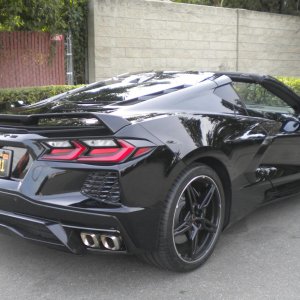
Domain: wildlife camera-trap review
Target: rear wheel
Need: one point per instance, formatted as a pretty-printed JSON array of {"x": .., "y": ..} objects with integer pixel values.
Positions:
[{"x": 192, "y": 220}]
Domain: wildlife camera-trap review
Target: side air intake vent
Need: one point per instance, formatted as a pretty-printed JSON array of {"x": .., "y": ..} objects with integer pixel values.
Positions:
[{"x": 102, "y": 186}]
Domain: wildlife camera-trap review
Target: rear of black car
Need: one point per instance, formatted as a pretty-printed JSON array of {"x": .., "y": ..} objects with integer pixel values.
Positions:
[
  {"x": 82, "y": 181},
  {"x": 93, "y": 169}
]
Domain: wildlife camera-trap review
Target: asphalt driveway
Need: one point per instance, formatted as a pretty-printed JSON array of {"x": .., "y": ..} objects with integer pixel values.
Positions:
[{"x": 257, "y": 258}]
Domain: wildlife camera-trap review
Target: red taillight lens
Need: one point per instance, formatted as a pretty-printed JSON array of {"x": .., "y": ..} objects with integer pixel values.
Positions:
[
  {"x": 109, "y": 151},
  {"x": 142, "y": 151},
  {"x": 109, "y": 154},
  {"x": 65, "y": 153}
]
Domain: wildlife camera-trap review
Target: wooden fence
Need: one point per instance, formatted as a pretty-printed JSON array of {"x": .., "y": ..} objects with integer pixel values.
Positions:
[{"x": 28, "y": 59}]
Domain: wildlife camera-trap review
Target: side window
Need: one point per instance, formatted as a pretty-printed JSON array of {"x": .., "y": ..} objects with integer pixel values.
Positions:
[
  {"x": 259, "y": 99},
  {"x": 230, "y": 99}
]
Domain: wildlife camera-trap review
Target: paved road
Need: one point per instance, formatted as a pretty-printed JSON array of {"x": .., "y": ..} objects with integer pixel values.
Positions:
[{"x": 257, "y": 258}]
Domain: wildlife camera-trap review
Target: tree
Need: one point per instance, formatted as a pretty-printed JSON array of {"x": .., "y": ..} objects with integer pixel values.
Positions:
[
  {"x": 55, "y": 16},
  {"x": 34, "y": 15},
  {"x": 291, "y": 7}
]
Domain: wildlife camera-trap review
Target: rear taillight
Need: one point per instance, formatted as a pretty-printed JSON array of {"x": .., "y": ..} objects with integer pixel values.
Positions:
[
  {"x": 115, "y": 154},
  {"x": 106, "y": 150},
  {"x": 67, "y": 153}
]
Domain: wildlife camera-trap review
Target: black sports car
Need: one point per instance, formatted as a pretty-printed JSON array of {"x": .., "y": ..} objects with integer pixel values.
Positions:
[{"x": 156, "y": 163}]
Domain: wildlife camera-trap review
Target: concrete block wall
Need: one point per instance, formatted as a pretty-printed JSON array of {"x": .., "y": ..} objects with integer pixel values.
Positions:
[
  {"x": 269, "y": 43},
  {"x": 134, "y": 35}
]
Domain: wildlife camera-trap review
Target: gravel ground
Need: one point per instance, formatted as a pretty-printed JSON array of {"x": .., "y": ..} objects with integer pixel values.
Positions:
[{"x": 257, "y": 258}]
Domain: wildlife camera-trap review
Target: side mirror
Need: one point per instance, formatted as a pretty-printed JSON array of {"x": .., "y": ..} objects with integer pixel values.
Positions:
[{"x": 290, "y": 126}]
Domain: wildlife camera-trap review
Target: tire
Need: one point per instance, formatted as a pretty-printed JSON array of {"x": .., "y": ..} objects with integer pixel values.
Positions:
[{"x": 191, "y": 222}]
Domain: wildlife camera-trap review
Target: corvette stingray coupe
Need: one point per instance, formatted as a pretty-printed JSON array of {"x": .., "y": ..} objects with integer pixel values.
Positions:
[{"x": 156, "y": 164}]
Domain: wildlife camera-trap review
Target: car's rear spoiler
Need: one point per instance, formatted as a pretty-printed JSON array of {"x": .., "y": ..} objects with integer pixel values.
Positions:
[{"x": 113, "y": 123}]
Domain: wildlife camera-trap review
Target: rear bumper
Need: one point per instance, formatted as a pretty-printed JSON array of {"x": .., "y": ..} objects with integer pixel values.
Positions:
[
  {"x": 39, "y": 230},
  {"x": 61, "y": 227},
  {"x": 52, "y": 233},
  {"x": 55, "y": 201}
]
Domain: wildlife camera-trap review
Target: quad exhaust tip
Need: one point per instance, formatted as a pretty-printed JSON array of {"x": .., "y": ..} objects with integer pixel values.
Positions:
[
  {"x": 111, "y": 242},
  {"x": 90, "y": 239},
  {"x": 98, "y": 241}
]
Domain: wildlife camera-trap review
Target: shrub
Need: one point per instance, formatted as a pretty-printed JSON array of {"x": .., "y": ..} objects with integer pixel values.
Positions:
[
  {"x": 32, "y": 94},
  {"x": 292, "y": 82}
]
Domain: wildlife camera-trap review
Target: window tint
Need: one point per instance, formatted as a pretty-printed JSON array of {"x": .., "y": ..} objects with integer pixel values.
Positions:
[
  {"x": 259, "y": 99},
  {"x": 228, "y": 94}
]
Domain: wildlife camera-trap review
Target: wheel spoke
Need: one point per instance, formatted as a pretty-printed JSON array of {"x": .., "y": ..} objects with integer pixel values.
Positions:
[
  {"x": 194, "y": 238},
  {"x": 208, "y": 197},
  {"x": 185, "y": 226},
  {"x": 208, "y": 225},
  {"x": 192, "y": 198}
]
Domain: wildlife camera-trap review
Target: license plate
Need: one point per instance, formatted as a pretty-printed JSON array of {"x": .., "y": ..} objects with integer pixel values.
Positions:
[{"x": 6, "y": 157}]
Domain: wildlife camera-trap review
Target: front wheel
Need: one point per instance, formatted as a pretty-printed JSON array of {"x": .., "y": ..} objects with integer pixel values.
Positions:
[{"x": 192, "y": 220}]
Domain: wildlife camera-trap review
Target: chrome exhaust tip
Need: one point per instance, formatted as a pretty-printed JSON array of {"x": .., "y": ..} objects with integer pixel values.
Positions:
[
  {"x": 90, "y": 239},
  {"x": 111, "y": 242}
]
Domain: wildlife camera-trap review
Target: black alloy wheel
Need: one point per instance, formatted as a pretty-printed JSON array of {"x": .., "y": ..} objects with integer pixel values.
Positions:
[
  {"x": 197, "y": 218},
  {"x": 192, "y": 221}
]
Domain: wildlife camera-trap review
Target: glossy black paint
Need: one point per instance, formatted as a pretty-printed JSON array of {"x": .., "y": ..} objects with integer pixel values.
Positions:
[{"x": 205, "y": 121}]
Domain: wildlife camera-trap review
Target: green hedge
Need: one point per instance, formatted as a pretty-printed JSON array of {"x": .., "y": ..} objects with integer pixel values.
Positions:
[
  {"x": 33, "y": 94},
  {"x": 292, "y": 82}
]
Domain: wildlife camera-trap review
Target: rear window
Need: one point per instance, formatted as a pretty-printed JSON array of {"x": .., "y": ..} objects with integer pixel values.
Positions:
[{"x": 137, "y": 88}]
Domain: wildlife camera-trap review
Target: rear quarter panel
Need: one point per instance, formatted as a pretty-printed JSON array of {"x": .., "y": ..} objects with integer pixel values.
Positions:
[{"x": 236, "y": 141}]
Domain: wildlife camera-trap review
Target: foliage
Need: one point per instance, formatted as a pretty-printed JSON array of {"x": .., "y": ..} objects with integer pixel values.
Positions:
[
  {"x": 292, "y": 82},
  {"x": 32, "y": 94},
  {"x": 55, "y": 16},
  {"x": 291, "y": 7},
  {"x": 77, "y": 20},
  {"x": 32, "y": 15}
]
